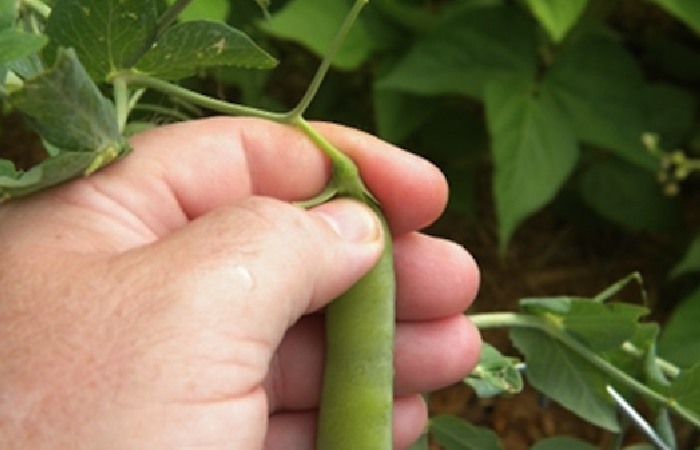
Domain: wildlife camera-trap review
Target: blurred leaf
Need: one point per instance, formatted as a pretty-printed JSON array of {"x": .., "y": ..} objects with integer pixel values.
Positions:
[
  {"x": 628, "y": 196},
  {"x": 66, "y": 108},
  {"x": 187, "y": 46},
  {"x": 216, "y": 10},
  {"x": 398, "y": 114},
  {"x": 670, "y": 113},
  {"x": 687, "y": 11},
  {"x": 680, "y": 338},
  {"x": 598, "y": 83},
  {"x": 567, "y": 378},
  {"x": 106, "y": 34},
  {"x": 453, "y": 433},
  {"x": 421, "y": 443},
  {"x": 557, "y": 16},
  {"x": 8, "y": 12},
  {"x": 534, "y": 150},
  {"x": 465, "y": 52},
  {"x": 495, "y": 374},
  {"x": 685, "y": 390},
  {"x": 690, "y": 261},
  {"x": 314, "y": 23},
  {"x": 562, "y": 442},
  {"x": 16, "y": 44}
]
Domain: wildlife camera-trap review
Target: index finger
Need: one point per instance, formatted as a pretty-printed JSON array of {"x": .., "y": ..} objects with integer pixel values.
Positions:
[{"x": 205, "y": 164}]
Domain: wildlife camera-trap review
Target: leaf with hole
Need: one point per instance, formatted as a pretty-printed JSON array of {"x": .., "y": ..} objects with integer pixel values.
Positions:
[{"x": 188, "y": 46}]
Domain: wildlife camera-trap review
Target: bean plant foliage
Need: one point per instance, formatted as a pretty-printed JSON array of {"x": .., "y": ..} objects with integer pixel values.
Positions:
[{"x": 567, "y": 109}]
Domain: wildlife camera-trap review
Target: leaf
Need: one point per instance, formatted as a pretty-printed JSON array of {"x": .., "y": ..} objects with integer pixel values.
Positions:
[
  {"x": 690, "y": 261},
  {"x": 566, "y": 377},
  {"x": 557, "y": 16},
  {"x": 15, "y": 44},
  {"x": 107, "y": 35},
  {"x": 8, "y": 13},
  {"x": 454, "y": 433},
  {"x": 628, "y": 196},
  {"x": 602, "y": 326},
  {"x": 314, "y": 24},
  {"x": 50, "y": 172},
  {"x": 599, "y": 85},
  {"x": 494, "y": 374},
  {"x": 398, "y": 114},
  {"x": 561, "y": 442},
  {"x": 685, "y": 390},
  {"x": 670, "y": 113},
  {"x": 185, "y": 47},
  {"x": 465, "y": 52},
  {"x": 680, "y": 338},
  {"x": 66, "y": 108},
  {"x": 216, "y": 10},
  {"x": 534, "y": 150},
  {"x": 687, "y": 11}
]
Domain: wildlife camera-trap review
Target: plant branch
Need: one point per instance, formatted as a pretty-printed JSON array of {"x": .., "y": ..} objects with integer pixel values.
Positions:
[
  {"x": 121, "y": 102},
  {"x": 507, "y": 319},
  {"x": 196, "y": 98},
  {"x": 337, "y": 42}
]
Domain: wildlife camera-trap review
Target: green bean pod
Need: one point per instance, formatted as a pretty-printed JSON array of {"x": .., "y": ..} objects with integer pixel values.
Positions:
[{"x": 357, "y": 396}]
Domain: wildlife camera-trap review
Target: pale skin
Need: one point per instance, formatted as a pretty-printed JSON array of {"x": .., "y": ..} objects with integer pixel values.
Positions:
[{"x": 173, "y": 299}]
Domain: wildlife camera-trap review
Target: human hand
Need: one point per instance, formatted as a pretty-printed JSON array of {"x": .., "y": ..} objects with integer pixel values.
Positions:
[{"x": 171, "y": 300}]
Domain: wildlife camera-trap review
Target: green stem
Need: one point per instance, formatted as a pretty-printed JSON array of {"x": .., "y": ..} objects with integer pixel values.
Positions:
[
  {"x": 121, "y": 102},
  {"x": 196, "y": 98},
  {"x": 507, "y": 319},
  {"x": 40, "y": 7},
  {"x": 337, "y": 42}
]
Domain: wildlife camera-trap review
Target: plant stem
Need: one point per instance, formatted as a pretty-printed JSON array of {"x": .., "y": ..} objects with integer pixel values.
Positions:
[
  {"x": 507, "y": 319},
  {"x": 121, "y": 102},
  {"x": 337, "y": 42},
  {"x": 40, "y": 7},
  {"x": 196, "y": 98}
]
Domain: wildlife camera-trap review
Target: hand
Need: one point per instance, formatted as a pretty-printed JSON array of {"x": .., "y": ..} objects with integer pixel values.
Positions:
[{"x": 170, "y": 300}]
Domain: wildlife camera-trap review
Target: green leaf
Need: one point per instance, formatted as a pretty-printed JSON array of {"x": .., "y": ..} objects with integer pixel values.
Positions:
[
  {"x": 67, "y": 109},
  {"x": 50, "y": 172},
  {"x": 453, "y": 433},
  {"x": 628, "y": 196},
  {"x": 566, "y": 377},
  {"x": 561, "y": 442},
  {"x": 685, "y": 390},
  {"x": 463, "y": 54},
  {"x": 690, "y": 261},
  {"x": 680, "y": 338},
  {"x": 557, "y": 16},
  {"x": 687, "y": 11},
  {"x": 495, "y": 374},
  {"x": 602, "y": 326},
  {"x": 188, "y": 46},
  {"x": 534, "y": 149},
  {"x": 314, "y": 24},
  {"x": 107, "y": 35},
  {"x": 8, "y": 13},
  {"x": 398, "y": 115},
  {"x": 15, "y": 44},
  {"x": 216, "y": 10},
  {"x": 670, "y": 113},
  {"x": 600, "y": 86}
]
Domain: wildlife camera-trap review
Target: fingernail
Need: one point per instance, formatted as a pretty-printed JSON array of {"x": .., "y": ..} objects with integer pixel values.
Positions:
[{"x": 351, "y": 220}]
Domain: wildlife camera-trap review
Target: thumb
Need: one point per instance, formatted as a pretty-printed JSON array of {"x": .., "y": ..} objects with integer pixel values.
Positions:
[{"x": 259, "y": 265}]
